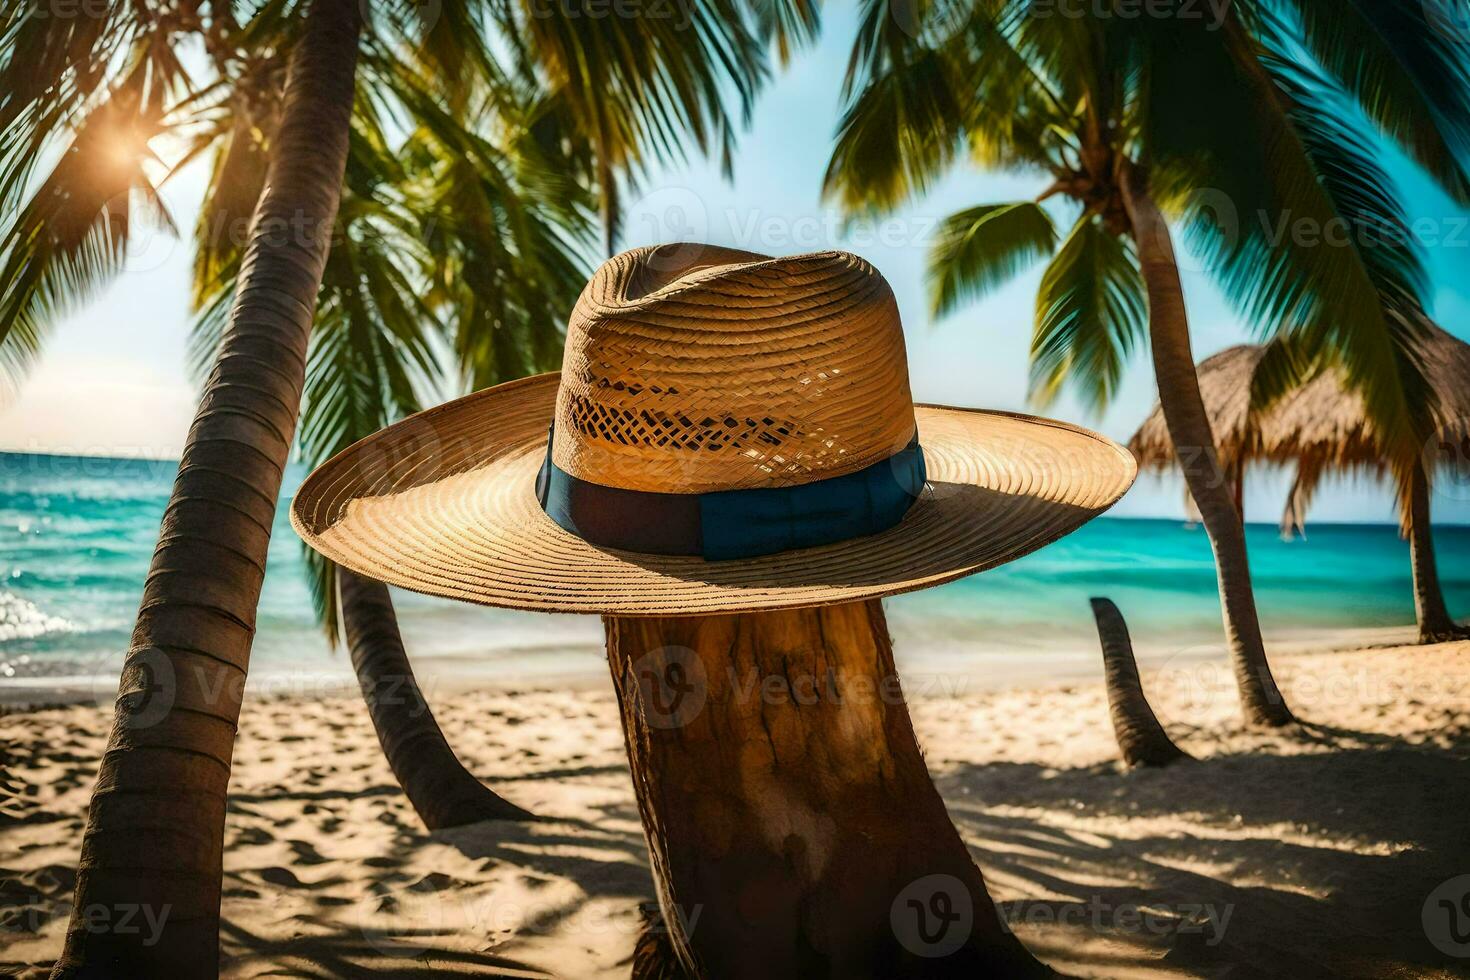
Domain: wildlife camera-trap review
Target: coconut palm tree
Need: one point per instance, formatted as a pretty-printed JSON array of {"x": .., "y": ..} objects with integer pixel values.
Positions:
[
  {"x": 1130, "y": 119},
  {"x": 441, "y": 246},
  {"x": 155, "y": 827},
  {"x": 101, "y": 89}
]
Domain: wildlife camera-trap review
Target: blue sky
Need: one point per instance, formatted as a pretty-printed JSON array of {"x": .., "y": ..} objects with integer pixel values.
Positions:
[{"x": 113, "y": 379}]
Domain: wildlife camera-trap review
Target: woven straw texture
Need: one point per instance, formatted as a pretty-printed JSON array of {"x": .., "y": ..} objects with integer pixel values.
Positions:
[{"x": 691, "y": 368}]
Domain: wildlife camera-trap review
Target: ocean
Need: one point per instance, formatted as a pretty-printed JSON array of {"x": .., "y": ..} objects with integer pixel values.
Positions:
[{"x": 77, "y": 533}]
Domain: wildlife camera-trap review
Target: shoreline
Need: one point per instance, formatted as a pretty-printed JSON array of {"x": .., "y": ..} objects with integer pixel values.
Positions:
[
  {"x": 993, "y": 667},
  {"x": 983, "y": 667}
]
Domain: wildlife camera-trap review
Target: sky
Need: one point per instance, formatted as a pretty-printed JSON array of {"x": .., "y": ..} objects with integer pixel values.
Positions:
[{"x": 113, "y": 379}]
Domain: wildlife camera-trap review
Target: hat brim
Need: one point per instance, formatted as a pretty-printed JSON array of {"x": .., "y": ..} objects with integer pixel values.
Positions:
[{"x": 444, "y": 503}]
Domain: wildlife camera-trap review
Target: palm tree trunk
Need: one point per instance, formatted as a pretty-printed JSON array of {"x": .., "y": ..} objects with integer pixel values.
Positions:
[
  {"x": 1194, "y": 442},
  {"x": 152, "y": 849},
  {"x": 1435, "y": 623},
  {"x": 793, "y": 830},
  {"x": 441, "y": 790},
  {"x": 1141, "y": 738}
]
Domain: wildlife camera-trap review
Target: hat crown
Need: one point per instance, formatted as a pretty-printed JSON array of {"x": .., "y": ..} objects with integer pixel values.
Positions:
[{"x": 693, "y": 368}]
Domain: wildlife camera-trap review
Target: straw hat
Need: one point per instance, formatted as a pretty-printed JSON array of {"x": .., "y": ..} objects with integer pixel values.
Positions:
[{"x": 728, "y": 432}]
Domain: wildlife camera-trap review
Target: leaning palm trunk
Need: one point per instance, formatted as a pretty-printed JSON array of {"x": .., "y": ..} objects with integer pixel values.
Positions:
[
  {"x": 155, "y": 827},
  {"x": 1435, "y": 623},
  {"x": 1141, "y": 738},
  {"x": 1189, "y": 428},
  {"x": 793, "y": 830},
  {"x": 441, "y": 790}
]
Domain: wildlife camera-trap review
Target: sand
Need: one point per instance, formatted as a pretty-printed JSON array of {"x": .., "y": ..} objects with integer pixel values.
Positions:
[{"x": 1303, "y": 854}]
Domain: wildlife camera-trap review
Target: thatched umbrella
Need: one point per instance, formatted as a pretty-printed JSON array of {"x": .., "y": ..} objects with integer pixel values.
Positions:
[{"x": 1322, "y": 429}]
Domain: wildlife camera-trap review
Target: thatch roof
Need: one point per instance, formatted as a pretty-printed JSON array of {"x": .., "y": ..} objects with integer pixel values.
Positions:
[
  {"x": 1320, "y": 427},
  {"x": 1323, "y": 421},
  {"x": 1225, "y": 383}
]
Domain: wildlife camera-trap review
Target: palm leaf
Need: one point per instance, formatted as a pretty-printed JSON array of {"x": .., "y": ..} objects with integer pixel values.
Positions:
[
  {"x": 1406, "y": 70},
  {"x": 69, "y": 237},
  {"x": 235, "y": 183},
  {"x": 1237, "y": 138},
  {"x": 1090, "y": 314},
  {"x": 898, "y": 135},
  {"x": 915, "y": 102},
  {"x": 983, "y": 247},
  {"x": 788, "y": 24},
  {"x": 1283, "y": 368}
]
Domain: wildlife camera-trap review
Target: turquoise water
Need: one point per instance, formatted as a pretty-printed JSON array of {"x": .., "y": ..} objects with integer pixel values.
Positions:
[{"x": 76, "y": 536}]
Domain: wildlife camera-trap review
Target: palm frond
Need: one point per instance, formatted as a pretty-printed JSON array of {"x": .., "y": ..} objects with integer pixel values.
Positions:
[
  {"x": 915, "y": 102},
  {"x": 235, "y": 183},
  {"x": 645, "y": 88},
  {"x": 69, "y": 236},
  {"x": 1285, "y": 366},
  {"x": 458, "y": 255},
  {"x": 51, "y": 66},
  {"x": 1237, "y": 140},
  {"x": 897, "y": 136},
  {"x": 1359, "y": 186},
  {"x": 981, "y": 248},
  {"x": 1404, "y": 63},
  {"x": 1090, "y": 314},
  {"x": 788, "y": 24}
]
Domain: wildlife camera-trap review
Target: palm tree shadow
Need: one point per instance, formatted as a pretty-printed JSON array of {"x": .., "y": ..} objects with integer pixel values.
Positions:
[
  {"x": 1334, "y": 736},
  {"x": 1312, "y": 865},
  {"x": 407, "y": 954},
  {"x": 605, "y": 861},
  {"x": 428, "y": 919}
]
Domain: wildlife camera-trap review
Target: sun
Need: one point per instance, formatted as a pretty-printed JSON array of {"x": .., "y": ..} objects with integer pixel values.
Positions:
[{"x": 124, "y": 147}]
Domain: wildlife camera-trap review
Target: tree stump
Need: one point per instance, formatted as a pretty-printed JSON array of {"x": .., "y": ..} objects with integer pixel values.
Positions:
[
  {"x": 1141, "y": 738},
  {"x": 793, "y": 830}
]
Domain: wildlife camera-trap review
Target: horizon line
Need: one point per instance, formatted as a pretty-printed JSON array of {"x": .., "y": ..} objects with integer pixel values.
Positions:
[{"x": 1179, "y": 519}]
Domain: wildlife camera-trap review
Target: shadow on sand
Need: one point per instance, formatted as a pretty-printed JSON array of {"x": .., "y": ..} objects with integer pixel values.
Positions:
[{"x": 1239, "y": 866}]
